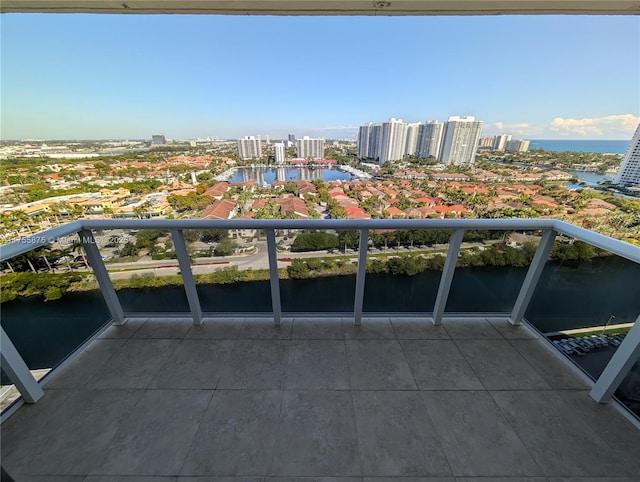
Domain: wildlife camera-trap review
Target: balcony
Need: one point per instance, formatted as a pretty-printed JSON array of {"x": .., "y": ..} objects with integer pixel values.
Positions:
[{"x": 281, "y": 393}]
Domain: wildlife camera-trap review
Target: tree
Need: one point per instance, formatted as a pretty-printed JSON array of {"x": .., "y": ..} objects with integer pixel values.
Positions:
[
  {"x": 226, "y": 247},
  {"x": 315, "y": 241},
  {"x": 298, "y": 269}
]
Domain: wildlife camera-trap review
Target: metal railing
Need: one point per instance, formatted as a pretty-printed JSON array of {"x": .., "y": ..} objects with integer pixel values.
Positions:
[{"x": 620, "y": 364}]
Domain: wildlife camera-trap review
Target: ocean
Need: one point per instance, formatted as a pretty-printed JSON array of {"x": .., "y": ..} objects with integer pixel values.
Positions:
[{"x": 602, "y": 147}]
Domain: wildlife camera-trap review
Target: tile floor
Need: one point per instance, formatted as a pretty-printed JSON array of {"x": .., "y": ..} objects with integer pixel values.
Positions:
[{"x": 392, "y": 400}]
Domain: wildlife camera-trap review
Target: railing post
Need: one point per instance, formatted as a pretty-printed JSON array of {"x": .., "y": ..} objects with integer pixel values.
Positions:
[
  {"x": 447, "y": 275},
  {"x": 623, "y": 359},
  {"x": 102, "y": 277},
  {"x": 362, "y": 270},
  {"x": 17, "y": 370},
  {"x": 533, "y": 276},
  {"x": 187, "y": 275},
  {"x": 273, "y": 276}
]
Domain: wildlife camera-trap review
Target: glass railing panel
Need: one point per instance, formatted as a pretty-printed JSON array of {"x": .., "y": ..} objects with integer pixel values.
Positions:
[
  {"x": 143, "y": 268},
  {"x": 585, "y": 302},
  {"x": 320, "y": 269},
  {"x": 582, "y": 286},
  {"x": 490, "y": 269},
  {"x": 404, "y": 270},
  {"x": 50, "y": 304},
  {"x": 231, "y": 269}
]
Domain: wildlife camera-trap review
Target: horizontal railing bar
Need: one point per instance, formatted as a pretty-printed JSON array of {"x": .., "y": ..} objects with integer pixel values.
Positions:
[
  {"x": 334, "y": 224},
  {"x": 28, "y": 243},
  {"x": 615, "y": 246}
]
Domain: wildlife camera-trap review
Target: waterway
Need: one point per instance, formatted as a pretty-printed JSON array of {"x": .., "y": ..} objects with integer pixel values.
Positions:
[{"x": 264, "y": 175}]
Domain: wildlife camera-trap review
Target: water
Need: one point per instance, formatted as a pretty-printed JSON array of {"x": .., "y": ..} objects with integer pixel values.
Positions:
[
  {"x": 268, "y": 175},
  {"x": 599, "y": 146},
  {"x": 591, "y": 179}
]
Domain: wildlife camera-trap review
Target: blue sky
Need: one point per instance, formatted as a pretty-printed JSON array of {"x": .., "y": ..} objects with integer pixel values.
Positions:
[{"x": 117, "y": 76}]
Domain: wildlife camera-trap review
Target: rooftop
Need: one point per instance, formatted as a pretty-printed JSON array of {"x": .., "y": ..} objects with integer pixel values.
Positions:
[{"x": 319, "y": 397}]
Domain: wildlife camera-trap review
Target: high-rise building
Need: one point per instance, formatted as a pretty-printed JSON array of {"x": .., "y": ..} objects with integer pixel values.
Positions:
[
  {"x": 486, "y": 142},
  {"x": 309, "y": 148},
  {"x": 411, "y": 144},
  {"x": 460, "y": 140},
  {"x": 500, "y": 142},
  {"x": 280, "y": 153},
  {"x": 292, "y": 138},
  {"x": 158, "y": 140},
  {"x": 250, "y": 147},
  {"x": 518, "y": 145},
  {"x": 629, "y": 170},
  {"x": 393, "y": 138},
  {"x": 368, "y": 136},
  {"x": 429, "y": 139}
]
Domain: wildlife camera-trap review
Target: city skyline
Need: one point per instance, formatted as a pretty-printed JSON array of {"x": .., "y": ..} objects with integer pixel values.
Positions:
[{"x": 128, "y": 77}]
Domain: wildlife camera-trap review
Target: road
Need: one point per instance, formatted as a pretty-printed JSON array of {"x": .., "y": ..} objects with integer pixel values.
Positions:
[{"x": 257, "y": 260}]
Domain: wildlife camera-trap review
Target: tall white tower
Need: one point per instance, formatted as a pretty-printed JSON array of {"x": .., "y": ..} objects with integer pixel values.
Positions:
[
  {"x": 429, "y": 139},
  {"x": 411, "y": 144},
  {"x": 280, "y": 152},
  {"x": 460, "y": 140},
  {"x": 392, "y": 140},
  {"x": 500, "y": 142},
  {"x": 309, "y": 148},
  {"x": 249, "y": 148},
  {"x": 629, "y": 170}
]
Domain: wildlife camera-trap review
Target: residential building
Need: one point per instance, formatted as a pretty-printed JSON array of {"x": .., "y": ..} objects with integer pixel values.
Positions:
[
  {"x": 500, "y": 142},
  {"x": 279, "y": 152},
  {"x": 310, "y": 148},
  {"x": 486, "y": 142},
  {"x": 629, "y": 171},
  {"x": 392, "y": 141},
  {"x": 250, "y": 147},
  {"x": 518, "y": 145},
  {"x": 429, "y": 139},
  {"x": 411, "y": 144},
  {"x": 368, "y": 137},
  {"x": 460, "y": 140}
]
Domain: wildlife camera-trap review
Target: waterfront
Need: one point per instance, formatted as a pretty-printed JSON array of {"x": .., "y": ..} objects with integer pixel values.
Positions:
[
  {"x": 580, "y": 145},
  {"x": 264, "y": 175}
]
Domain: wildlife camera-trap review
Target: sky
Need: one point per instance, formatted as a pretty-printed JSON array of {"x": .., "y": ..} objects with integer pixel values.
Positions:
[{"x": 131, "y": 76}]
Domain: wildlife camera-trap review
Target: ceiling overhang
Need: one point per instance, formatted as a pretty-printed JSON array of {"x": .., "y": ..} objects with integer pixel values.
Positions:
[{"x": 328, "y": 7}]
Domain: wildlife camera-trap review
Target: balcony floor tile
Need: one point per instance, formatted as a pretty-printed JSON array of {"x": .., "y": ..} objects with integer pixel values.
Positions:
[
  {"x": 568, "y": 434},
  {"x": 134, "y": 364},
  {"x": 418, "y": 329},
  {"x": 317, "y": 329},
  {"x": 470, "y": 329},
  {"x": 256, "y": 365},
  {"x": 157, "y": 434},
  {"x": 396, "y": 436},
  {"x": 317, "y": 435},
  {"x": 317, "y": 364},
  {"x": 439, "y": 365},
  {"x": 499, "y": 366},
  {"x": 236, "y": 434},
  {"x": 476, "y": 437},
  {"x": 378, "y": 365}
]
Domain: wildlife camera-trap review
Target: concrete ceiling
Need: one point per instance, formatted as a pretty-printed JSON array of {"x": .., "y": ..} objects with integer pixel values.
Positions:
[{"x": 329, "y": 7}]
